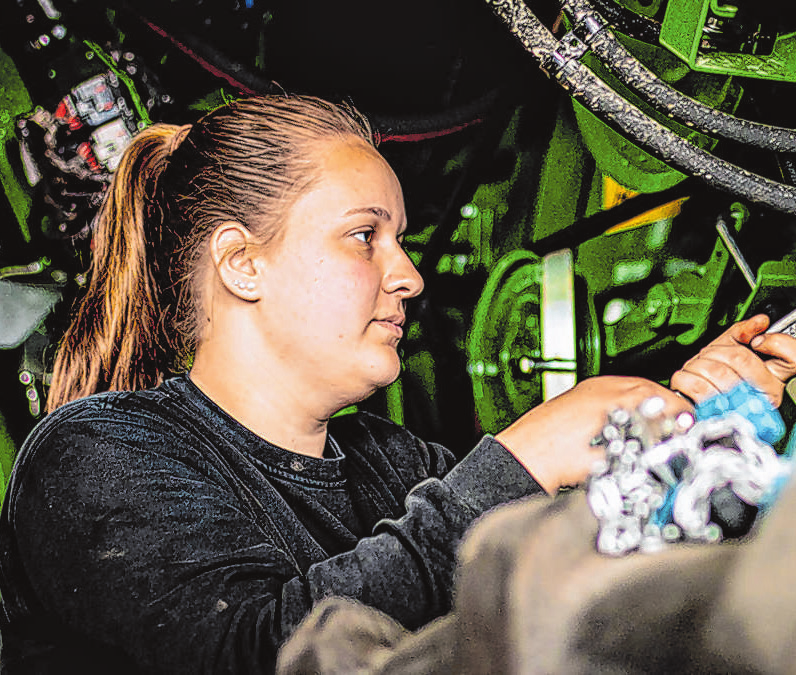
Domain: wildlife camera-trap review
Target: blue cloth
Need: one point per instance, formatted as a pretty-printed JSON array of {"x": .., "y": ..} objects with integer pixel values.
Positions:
[{"x": 750, "y": 403}]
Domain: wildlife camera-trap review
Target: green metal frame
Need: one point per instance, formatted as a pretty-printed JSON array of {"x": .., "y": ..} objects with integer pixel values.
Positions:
[{"x": 682, "y": 32}]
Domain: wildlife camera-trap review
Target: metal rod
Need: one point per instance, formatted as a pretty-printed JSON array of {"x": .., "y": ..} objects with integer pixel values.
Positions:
[{"x": 735, "y": 252}]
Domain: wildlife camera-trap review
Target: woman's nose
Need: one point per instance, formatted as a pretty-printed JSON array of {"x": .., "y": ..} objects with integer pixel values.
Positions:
[{"x": 402, "y": 276}]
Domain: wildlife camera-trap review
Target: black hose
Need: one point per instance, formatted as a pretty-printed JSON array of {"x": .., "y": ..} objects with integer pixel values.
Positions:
[
  {"x": 693, "y": 113},
  {"x": 583, "y": 85}
]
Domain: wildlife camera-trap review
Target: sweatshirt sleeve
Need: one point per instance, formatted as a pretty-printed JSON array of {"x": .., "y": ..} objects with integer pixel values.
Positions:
[
  {"x": 148, "y": 554},
  {"x": 406, "y": 568}
]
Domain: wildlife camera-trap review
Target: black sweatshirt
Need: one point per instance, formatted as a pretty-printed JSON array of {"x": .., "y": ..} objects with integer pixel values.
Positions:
[{"x": 150, "y": 531}]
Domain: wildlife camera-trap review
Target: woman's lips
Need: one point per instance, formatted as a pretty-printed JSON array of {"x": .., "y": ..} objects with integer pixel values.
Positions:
[{"x": 391, "y": 326}]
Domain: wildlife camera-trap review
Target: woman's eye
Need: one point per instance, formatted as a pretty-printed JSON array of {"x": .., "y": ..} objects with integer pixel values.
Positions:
[{"x": 364, "y": 236}]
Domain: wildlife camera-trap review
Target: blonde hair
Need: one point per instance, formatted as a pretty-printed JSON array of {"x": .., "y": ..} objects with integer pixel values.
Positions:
[{"x": 246, "y": 161}]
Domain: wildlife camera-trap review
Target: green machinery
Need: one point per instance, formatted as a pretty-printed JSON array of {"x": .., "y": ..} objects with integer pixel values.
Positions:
[
  {"x": 607, "y": 225},
  {"x": 698, "y": 32},
  {"x": 640, "y": 295}
]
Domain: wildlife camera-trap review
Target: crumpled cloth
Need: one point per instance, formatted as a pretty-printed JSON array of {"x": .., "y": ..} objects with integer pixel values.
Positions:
[{"x": 533, "y": 596}]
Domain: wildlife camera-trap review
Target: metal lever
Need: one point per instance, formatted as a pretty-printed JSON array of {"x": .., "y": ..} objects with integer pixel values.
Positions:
[{"x": 735, "y": 252}]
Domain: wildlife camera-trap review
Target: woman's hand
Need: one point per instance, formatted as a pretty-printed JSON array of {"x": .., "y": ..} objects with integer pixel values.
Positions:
[
  {"x": 553, "y": 440},
  {"x": 732, "y": 357}
]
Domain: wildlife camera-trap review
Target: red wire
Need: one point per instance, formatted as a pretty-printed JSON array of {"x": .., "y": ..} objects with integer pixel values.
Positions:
[
  {"x": 427, "y": 135},
  {"x": 209, "y": 67}
]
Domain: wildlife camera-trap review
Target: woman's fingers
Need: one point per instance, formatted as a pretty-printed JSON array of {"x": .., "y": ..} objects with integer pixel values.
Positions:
[
  {"x": 742, "y": 332},
  {"x": 718, "y": 368},
  {"x": 736, "y": 355},
  {"x": 782, "y": 349},
  {"x": 695, "y": 386},
  {"x": 711, "y": 371}
]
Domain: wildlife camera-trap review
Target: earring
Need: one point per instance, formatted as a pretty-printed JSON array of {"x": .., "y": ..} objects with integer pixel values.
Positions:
[{"x": 250, "y": 286}]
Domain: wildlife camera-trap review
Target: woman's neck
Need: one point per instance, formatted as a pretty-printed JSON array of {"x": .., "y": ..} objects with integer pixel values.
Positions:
[{"x": 260, "y": 400}]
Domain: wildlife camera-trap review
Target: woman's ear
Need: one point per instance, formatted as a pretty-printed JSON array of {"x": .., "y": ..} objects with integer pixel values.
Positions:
[{"x": 234, "y": 253}]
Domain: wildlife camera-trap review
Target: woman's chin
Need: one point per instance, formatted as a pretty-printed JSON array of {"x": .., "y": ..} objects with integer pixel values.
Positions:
[
  {"x": 383, "y": 374},
  {"x": 392, "y": 372}
]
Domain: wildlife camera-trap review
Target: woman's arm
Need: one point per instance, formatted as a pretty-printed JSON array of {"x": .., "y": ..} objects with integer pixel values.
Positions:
[{"x": 149, "y": 550}]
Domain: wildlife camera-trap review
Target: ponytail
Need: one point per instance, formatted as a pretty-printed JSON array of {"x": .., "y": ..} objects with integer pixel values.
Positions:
[{"x": 120, "y": 338}]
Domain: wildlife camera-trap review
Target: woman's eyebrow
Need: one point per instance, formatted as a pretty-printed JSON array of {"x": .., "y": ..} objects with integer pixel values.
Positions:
[{"x": 375, "y": 210}]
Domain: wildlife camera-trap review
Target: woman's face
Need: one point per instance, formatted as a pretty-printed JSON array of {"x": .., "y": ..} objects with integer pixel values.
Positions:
[{"x": 337, "y": 281}]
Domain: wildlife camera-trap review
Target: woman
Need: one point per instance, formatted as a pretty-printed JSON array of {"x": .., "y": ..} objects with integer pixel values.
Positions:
[{"x": 188, "y": 524}]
